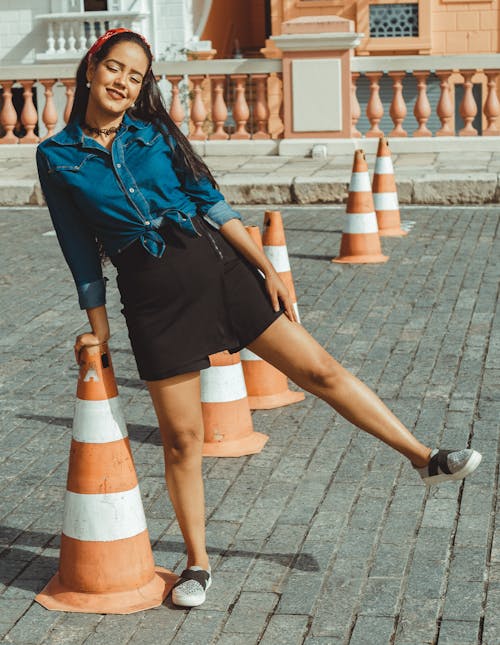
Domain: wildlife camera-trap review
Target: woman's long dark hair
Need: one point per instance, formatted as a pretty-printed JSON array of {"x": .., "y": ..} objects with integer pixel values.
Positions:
[{"x": 149, "y": 107}]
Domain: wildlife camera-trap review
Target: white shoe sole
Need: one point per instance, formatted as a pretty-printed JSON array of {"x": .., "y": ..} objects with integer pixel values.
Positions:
[
  {"x": 470, "y": 467},
  {"x": 191, "y": 600}
]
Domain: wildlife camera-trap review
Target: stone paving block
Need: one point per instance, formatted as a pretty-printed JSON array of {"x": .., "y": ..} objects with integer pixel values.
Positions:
[
  {"x": 463, "y": 600},
  {"x": 34, "y": 626},
  {"x": 200, "y": 626},
  {"x": 250, "y": 613},
  {"x": 458, "y": 632},
  {"x": 372, "y": 629},
  {"x": 285, "y": 630}
]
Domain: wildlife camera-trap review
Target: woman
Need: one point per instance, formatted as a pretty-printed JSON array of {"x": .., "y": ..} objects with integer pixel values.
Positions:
[{"x": 121, "y": 178}]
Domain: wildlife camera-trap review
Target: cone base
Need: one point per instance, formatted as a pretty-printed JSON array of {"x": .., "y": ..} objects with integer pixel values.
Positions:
[
  {"x": 391, "y": 232},
  {"x": 360, "y": 259},
  {"x": 249, "y": 445},
  {"x": 57, "y": 597},
  {"x": 270, "y": 401}
]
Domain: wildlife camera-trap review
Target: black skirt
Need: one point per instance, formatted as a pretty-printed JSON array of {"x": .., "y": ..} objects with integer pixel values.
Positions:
[{"x": 199, "y": 298}]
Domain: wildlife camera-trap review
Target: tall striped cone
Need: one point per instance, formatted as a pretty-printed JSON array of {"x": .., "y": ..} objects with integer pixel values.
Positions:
[
  {"x": 226, "y": 416},
  {"x": 267, "y": 387},
  {"x": 106, "y": 564},
  {"x": 385, "y": 195},
  {"x": 274, "y": 244},
  {"x": 360, "y": 242}
]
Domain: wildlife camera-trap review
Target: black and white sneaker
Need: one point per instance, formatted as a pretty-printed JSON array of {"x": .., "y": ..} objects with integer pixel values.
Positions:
[
  {"x": 190, "y": 589},
  {"x": 446, "y": 465}
]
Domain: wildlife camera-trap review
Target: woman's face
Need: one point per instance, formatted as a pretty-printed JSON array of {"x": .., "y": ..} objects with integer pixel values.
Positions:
[{"x": 116, "y": 81}]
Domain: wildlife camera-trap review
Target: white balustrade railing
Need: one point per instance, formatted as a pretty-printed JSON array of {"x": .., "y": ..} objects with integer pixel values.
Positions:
[{"x": 70, "y": 34}]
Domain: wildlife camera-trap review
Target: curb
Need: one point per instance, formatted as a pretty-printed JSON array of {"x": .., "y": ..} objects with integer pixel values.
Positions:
[{"x": 428, "y": 189}]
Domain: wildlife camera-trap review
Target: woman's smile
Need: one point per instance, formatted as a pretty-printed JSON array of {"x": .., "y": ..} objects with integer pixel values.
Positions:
[{"x": 115, "y": 94}]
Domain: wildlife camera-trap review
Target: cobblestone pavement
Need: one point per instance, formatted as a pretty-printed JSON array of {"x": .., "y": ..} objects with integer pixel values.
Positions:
[{"x": 327, "y": 537}]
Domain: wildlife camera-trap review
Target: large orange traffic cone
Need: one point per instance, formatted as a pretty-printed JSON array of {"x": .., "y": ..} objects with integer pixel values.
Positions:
[
  {"x": 274, "y": 244},
  {"x": 360, "y": 242},
  {"x": 226, "y": 416},
  {"x": 267, "y": 387},
  {"x": 106, "y": 564},
  {"x": 385, "y": 194}
]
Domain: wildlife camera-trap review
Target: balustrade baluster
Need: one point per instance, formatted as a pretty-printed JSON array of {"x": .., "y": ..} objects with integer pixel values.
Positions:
[
  {"x": 82, "y": 39},
  {"x": 374, "y": 108},
  {"x": 49, "y": 115},
  {"x": 8, "y": 115},
  {"x": 260, "y": 110},
  {"x": 29, "y": 115},
  {"x": 69, "y": 84},
  {"x": 241, "y": 112},
  {"x": 422, "y": 108},
  {"x": 398, "y": 109},
  {"x": 491, "y": 105},
  {"x": 92, "y": 35},
  {"x": 51, "y": 41},
  {"x": 71, "y": 38},
  {"x": 219, "y": 108},
  {"x": 444, "y": 107},
  {"x": 198, "y": 109},
  {"x": 355, "y": 107},
  {"x": 176, "y": 110},
  {"x": 61, "y": 40},
  {"x": 468, "y": 107}
]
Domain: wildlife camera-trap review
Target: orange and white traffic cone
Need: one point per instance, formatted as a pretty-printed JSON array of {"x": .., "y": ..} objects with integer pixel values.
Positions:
[
  {"x": 267, "y": 387},
  {"x": 360, "y": 242},
  {"x": 226, "y": 416},
  {"x": 385, "y": 195},
  {"x": 106, "y": 563},
  {"x": 274, "y": 244}
]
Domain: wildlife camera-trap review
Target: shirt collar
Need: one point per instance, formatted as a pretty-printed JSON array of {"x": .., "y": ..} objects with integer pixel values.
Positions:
[{"x": 73, "y": 133}]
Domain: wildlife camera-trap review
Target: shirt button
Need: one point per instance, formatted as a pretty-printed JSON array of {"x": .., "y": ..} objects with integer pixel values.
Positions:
[
  {"x": 147, "y": 223},
  {"x": 130, "y": 190},
  {"x": 118, "y": 165}
]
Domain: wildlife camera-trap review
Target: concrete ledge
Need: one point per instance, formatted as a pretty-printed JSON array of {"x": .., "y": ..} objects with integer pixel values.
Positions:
[
  {"x": 20, "y": 192},
  {"x": 255, "y": 190},
  {"x": 319, "y": 190},
  {"x": 467, "y": 188}
]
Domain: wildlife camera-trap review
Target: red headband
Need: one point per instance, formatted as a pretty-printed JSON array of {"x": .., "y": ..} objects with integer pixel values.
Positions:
[{"x": 109, "y": 34}]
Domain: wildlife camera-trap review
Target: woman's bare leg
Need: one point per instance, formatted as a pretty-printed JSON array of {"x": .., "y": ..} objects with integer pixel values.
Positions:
[
  {"x": 290, "y": 348},
  {"x": 177, "y": 404}
]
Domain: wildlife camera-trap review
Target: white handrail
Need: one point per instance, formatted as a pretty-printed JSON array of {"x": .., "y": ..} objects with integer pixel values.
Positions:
[{"x": 424, "y": 63}]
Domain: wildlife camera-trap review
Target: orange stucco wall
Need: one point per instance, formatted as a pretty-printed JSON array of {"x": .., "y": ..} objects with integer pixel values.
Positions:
[
  {"x": 463, "y": 28},
  {"x": 231, "y": 19}
]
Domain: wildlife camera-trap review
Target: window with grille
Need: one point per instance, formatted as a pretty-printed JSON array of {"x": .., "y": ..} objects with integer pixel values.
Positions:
[{"x": 394, "y": 20}]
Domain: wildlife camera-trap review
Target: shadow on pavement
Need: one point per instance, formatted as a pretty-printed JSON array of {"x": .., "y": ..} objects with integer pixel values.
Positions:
[{"x": 24, "y": 569}]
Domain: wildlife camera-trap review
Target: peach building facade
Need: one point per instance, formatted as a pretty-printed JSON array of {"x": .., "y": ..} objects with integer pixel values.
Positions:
[{"x": 437, "y": 27}]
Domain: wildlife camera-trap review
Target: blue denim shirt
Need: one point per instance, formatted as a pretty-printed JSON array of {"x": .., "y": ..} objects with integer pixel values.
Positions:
[{"x": 118, "y": 196}]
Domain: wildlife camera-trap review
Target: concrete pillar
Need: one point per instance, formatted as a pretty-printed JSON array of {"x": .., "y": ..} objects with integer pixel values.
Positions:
[{"x": 317, "y": 53}]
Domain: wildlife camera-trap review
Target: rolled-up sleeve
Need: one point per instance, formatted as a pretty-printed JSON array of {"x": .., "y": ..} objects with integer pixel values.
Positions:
[{"x": 76, "y": 239}]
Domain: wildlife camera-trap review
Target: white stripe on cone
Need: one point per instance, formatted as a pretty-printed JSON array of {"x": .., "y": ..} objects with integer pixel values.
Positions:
[
  {"x": 386, "y": 201},
  {"x": 360, "y": 182},
  {"x": 278, "y": 256},
  {"x": 220, "y": 384},
  {"x": 360, "y": 223},
  {"x": 383, "y": 166},
  {"x": 103, "y": 517},
  {"x": 247, "y": 355},
  {"x": 98, "y": 421}
]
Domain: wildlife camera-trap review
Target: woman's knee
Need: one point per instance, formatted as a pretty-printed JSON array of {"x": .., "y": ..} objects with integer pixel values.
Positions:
[
  {"x": 323, "y": 373},
  {"x": 182, "y": 444}
]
